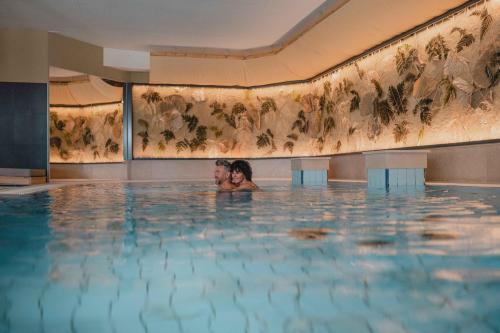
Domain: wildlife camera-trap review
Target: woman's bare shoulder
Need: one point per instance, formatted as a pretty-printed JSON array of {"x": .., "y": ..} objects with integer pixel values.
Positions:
[{"x": 248, "y": 185}]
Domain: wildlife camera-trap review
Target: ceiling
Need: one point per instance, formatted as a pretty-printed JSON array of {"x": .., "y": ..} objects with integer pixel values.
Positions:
[
  {"x": 347, "y": 32},
  {"x": 226, "y": 42},
  {"x": 142, "y": 25}
]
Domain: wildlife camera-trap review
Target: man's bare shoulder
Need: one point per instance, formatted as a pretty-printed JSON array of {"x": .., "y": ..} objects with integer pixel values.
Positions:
[{"x": 226, "y": 186}]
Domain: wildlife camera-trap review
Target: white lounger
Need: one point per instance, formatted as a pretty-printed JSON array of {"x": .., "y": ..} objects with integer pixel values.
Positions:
[{"x": 10, "y": 176}]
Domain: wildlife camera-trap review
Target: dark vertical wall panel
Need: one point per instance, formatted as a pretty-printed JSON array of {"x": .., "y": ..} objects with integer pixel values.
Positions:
[
  {"x": 127, "y": 121},
  {"x": 23, "y": 125}
]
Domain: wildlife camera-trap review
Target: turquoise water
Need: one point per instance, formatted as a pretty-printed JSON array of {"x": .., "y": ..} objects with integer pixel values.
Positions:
[{"x": 176, "y": 257}]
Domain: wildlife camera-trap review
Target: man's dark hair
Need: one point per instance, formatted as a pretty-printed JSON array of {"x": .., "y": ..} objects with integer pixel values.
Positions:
[
  {"x": 225, "y": 163},
  {"x": 243, "y": 167}
]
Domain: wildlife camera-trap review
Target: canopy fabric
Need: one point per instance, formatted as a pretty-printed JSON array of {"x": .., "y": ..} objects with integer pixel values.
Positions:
[
  {"x": 89, "y": 90},
  {"x": 352, "y": 29}
]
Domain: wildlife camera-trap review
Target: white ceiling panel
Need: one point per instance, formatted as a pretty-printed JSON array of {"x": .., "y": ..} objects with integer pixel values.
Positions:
[{"x": 138, "y": 25}]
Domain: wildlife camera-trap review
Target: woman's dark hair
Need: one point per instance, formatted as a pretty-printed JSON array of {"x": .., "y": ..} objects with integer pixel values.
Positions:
[{"x": 243, "y": 167}]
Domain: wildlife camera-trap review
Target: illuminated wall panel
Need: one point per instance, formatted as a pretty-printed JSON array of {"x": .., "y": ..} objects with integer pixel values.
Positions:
[
  {"x": 90, "y": 134},
  {"x": 438, "y": 86}
]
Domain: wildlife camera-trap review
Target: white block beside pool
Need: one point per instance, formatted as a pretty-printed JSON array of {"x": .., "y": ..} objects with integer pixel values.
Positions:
[
  {"x": 396, "y": 168},
  {"x": 310, "y": 171}
]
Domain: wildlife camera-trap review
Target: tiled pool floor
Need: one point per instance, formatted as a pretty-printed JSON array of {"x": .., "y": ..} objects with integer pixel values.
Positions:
[{"x": 174, "y": 257}]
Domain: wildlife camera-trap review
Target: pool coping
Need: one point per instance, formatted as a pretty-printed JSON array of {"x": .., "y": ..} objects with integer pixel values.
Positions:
[{"x": 59, "y": 183}]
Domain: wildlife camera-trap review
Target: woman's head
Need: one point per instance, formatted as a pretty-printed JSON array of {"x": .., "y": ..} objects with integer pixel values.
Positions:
[{"x": 240, "y": 171}]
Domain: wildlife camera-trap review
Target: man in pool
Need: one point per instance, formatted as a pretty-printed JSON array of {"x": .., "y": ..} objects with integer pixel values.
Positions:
[{"x": 222, "y": 175}]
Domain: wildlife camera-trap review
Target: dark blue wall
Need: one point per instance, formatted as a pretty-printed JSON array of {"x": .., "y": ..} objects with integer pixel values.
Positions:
[{"x": 23, "y": 125}]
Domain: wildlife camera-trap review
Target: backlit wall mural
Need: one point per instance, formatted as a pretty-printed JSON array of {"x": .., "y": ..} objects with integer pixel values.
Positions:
[
  {"x": 89, "y": 134},
  {"x": 438, "y": 86}
]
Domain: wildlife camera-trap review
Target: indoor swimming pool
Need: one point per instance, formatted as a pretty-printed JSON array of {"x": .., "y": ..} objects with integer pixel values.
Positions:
[{"x": 179, "y": 257}]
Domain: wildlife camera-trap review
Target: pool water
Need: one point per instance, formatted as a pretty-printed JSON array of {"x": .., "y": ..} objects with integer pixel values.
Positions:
[{"x": 178, "y": 257}]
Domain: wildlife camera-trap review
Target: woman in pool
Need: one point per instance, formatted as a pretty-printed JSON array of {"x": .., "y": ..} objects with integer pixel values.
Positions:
[{"x": 241, "y": 176}]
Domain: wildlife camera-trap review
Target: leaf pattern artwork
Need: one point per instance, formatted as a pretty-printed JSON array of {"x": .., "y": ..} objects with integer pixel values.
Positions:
[
  {"x": 145, "y": 139},
  {"x": 144, "y": 134},
  {"x": 397, "y": 98},
  {"x": 238, "y": 108},
  {"x": 492, "y": 69},
  {"x": 486, "y": 20},
  {"x": 112, "y": 146},
  {"x": 400, "y": 131},
  {"x": 325, "y": 103},
  {"x": 344, "y": 87},
  {"x": 95, "y": 152},
  {"x": 59, "y": 124},
  {"x": 320, "y": 144},
  {"x": 374, "y": 130},
  {"x": 230, "y": 120},
  {"x": 310, "y": 102},
  {"x": 327, "y": 89},
  {"x": 338, "y": 146},
  {"x": 143, "y": 123},
  {"x": 182, "y": 145},
  {"x": 423, "y": 108},
  {"x": 110, "y": 118},
  {"x": 328, "y": 125},
  {"x": 437, "y": 49},
  {"x": 438, "y": 80},
  {"x": 263, "y": 140},
  {"x": 191, "y": 121},
  {"x": 421, "y": 135},
  {"x": 267, "y": 105},
  {"x": 88, "y": 137},
  {"x": 151, "y": 96},
  {"x": 65, "y": 155},
  {"x": 465, "y": 39},
  {"x": 301, "y": 123},
  {"x": 381, "y": 109},
  {"x": 168, "y": 135},
  {"x": 271, "y": 135},
  {"x": 217, "y": 109},
  {"x": 289, "y": 146},
  {"x": 351, "y": 130},
  {"x": 355, "y": 100},
  {"x": 406, "y": 56},
  {"x": 409, "y": 83},
  {"x": 448, "y": 90},
  {"x": 83, "y": 134},
  {"x": 266, "y": 139},
  {"x": 361, "y": 73},
  {"x": 217, "y": 131},
  {"x": 199, "y": 142},
  {"x": 55, "y": 142}
]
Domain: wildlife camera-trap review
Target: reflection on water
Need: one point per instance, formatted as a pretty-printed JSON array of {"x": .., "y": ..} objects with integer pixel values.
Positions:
[
  {"x": 375, "y": 243},
  {"x": 180, "y": 257},
  {"x": 310, "y": 233}
]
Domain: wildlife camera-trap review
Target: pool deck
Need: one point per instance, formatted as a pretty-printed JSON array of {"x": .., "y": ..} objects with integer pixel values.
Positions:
[{"x": 59, "y": 183}]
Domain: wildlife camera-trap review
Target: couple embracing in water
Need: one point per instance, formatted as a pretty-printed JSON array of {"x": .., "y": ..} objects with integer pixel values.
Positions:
[{"x": 234, "y": 176}]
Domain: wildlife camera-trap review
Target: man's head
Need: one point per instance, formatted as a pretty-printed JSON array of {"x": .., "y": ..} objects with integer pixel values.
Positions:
[{"x": 222, "y": 171}]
